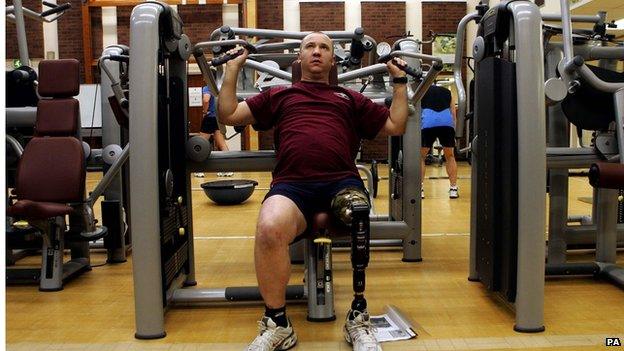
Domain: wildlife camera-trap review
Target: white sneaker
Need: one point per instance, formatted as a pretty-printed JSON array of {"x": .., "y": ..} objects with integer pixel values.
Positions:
[
  {"x": 453, "y": 192},
  {"x": 199, "y": 175},
  {"x": 229, "y": 174},
  {"x": 359, "y": 332},
  {"x": 220, "y": 174},
  {"x": 422, "y": 193},
  {"x": 273, "y": 338}
]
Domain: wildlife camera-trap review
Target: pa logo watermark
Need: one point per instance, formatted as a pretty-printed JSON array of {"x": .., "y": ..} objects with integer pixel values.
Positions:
[{"x": 613, "y": 342}]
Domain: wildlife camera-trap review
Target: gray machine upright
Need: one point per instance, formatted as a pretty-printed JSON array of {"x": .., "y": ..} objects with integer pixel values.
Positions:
[{"x": 508, "y": 203}]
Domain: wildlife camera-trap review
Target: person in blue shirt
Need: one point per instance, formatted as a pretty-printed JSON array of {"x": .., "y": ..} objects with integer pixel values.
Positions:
[
  {"x": 438, "y": 122},
  {"x": 209, "y": 127}
]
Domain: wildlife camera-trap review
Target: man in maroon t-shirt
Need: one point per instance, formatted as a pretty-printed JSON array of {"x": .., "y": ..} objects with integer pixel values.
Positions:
[{"x": 318, "y": 128}]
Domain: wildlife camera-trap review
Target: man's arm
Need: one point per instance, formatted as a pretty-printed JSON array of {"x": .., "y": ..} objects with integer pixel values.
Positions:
[
  {"x": 232, "y": 112},
  {"x": 205, "y": 103},
  {"x": 395, "y": 124}
]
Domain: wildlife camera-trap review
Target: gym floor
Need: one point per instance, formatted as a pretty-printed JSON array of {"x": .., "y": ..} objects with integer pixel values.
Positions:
[{"x": 96, "y": 310}]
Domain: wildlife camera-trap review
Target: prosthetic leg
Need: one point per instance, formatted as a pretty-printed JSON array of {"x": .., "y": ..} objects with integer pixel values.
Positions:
[{"x": 351, "y": 206}]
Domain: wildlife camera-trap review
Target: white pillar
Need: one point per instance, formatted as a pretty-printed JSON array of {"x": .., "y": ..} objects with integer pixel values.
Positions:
[
  {"x": 413, "y": 18},
  {"x": 471, "y": 33},
  {"x": 109, "y": 27},
  {"x": 353, "y": 14},
  {"x": 230, "y": 15},
  {"x": 292, "y": 17},
  {"x": 50, "y": 38}
]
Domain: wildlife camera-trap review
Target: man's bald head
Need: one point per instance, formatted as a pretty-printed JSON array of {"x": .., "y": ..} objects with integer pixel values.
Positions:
[
  {"x": 317, "y": 36},
  {"x": 316, "y": 55}
]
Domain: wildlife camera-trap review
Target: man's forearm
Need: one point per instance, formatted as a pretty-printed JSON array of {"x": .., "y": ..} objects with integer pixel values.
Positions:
[
  {"x": 227, "y": 94},
  {"x": 399, "y": 109}
]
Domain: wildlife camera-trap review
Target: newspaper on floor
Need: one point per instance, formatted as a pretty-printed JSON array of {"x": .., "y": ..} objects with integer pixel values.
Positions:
[{"x": 392, "y": 325}]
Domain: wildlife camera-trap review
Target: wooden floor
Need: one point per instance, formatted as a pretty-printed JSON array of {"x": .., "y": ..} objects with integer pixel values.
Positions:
[{"x": 96, "y": 311}]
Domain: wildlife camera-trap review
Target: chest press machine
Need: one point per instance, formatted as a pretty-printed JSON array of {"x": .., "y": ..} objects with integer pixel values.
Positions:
[
  {"x": 160, "y": 191},
  {"x": 510, "y": 158}
]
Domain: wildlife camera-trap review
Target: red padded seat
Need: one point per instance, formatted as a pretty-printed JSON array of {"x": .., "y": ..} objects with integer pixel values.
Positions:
[
  {"x": 57, "y": 117},
  {"x": 52, "y": 169},
  {"x": 59, "y": 78},
  {"x": 38, "y": 210},
  {"x": 51, "y": 172}
]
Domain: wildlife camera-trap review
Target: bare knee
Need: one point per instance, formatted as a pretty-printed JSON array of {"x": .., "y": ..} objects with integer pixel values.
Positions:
[
  {"x": 270, "y": 235},
  {"x": 449, "y": 153}
]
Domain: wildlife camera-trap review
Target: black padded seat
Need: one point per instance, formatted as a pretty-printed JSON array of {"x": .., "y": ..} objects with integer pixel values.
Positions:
[{"x": 589, "y": 108}]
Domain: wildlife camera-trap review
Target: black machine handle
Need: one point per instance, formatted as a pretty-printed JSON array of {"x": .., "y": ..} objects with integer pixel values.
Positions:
[
  {"x": 18, "y": 75},
  {"x": 24, "y": 75},
  {"x": 405, "y": 68},
  {"x": 227, "y": 57},
  {"x": 358, "y": 47},
  {"x": 54, "y": 8},
  {"x": 119, "y": 58}
]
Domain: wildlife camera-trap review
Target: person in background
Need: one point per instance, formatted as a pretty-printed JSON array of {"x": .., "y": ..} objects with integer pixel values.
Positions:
[
  {"x": 438, "y": 122},
  {"x": 210, "y": 128}
]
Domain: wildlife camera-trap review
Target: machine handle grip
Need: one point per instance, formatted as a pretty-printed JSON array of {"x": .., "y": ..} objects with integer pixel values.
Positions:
[
  {"x": 54, "y": 8},
  {"x": 119, "y": 58},
  {"x": 405, "y": 68},
  {"x": 227, "y": 57}
]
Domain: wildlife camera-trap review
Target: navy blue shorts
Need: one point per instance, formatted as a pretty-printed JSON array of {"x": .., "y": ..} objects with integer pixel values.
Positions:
[
  {"x": 315, "y": 197},
  {"x": 209, "y": 124},
  {"x": 446, "y": 135}
]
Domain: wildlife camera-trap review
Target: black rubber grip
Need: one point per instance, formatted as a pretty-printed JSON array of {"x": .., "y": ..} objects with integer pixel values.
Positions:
[
  {"x": 357, "y": 50},
  {"x": 20, "y": 75},
  {"x": 227, "y": 57},
  {"x": 120, "y": 58},
  {"x": 409, "y": 70},
  {"x": 55, "y": 9},
  {"x": 384, "y": 58},
  {"x": 405, "y": 68}
]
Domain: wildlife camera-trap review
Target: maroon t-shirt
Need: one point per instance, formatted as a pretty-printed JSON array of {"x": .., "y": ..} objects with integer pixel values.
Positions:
[{"x": 318, "y": 129}]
